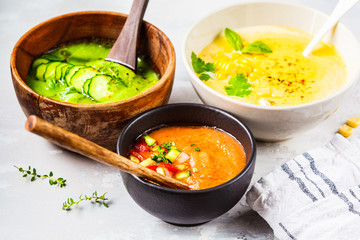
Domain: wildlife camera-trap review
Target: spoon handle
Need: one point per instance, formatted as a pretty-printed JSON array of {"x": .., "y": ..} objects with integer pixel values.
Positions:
[
  {"x": 341, "y": 8},
  {"x": 89, "y": 149},
  {"x": 124, "y": 48}
]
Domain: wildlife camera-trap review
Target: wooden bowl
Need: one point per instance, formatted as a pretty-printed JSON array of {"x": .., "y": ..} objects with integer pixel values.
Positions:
[{"x": 100, "y": 123}]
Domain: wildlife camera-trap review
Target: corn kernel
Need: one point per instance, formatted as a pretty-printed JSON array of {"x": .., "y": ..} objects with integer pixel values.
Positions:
[
  {"x": 235, "y": 56},
  {"x": 353, "y": 122},
  {"x": 345, "y": 130}
]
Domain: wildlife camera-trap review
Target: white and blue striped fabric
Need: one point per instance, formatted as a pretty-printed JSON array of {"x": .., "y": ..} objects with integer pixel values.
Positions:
[{"x": 315, "y": 195}]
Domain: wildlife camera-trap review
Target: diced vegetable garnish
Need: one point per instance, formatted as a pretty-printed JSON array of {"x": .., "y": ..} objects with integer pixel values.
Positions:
[
  {"x": 183, "y": 175},
  {"x": 147, "y": 162},
  {"x": 136, "y": 154},
  {"x": 165, "y": 158},
  {"x": 345, "y": 130},
  {"x": 172, "y": 155},
  {"x": 160, "y": 170},
  {"x": 183, "y": 157},
  {"x": 149, "y": 140},
  {"x": 353, "y": 122},
  {"x": 134, "y": 159}
]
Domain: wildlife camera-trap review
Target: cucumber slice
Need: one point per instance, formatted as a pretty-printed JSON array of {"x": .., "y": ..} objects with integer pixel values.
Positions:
[
  {"x": 80, "y": 77},
  {"x": 40, "y": 71},
  {"x": 70, "y": 72},
  {"x": 183, "y": 175},
  {"x": 172, "y": 155},
  {"x": 86, "y": 85},
  {"x": 50, "y": 71},
  {"x": 117, "y": 71},
  {"x": 38, "y": 62},
  {"x": 149, "y": 140},
  {"x": 99, "y": 88},
  {"x": 148, "y": 162},
  {"x": 58, "y": 70},
  {"x": 73, "y": 97},
  {"x": 64, "y": 71}
]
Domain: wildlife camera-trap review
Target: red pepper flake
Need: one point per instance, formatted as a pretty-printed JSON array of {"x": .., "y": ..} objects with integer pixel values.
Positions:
[{"x": 303, "y": 81}]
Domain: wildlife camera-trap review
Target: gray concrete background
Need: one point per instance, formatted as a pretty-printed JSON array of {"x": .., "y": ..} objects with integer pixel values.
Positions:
[{"x": 33, "y": 210}]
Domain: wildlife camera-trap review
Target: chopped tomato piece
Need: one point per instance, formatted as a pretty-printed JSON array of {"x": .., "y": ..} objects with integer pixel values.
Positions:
[
  {"x": 170, "y": 167},
  {"x": 153, "y": 167},
  {"x": 141, "y": 146},
  {"x": 138, "y": 155}
]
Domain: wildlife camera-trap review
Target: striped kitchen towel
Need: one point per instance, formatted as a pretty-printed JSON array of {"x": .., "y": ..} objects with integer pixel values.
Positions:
[{"x": 315, "y": 195}]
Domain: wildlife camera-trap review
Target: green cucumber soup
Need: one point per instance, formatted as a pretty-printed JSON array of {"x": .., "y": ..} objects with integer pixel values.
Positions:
[{"x": 77, "y": 73}]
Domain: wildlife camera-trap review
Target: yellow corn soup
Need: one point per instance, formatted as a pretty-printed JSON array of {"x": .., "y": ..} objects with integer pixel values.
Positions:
[{"x": 281, "y": 78}]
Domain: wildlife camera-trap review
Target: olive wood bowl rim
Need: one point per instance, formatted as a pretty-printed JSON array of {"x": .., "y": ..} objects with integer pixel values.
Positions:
[
  {"x": 165, "y": 77},
  {"x": 252, "y": 157}
]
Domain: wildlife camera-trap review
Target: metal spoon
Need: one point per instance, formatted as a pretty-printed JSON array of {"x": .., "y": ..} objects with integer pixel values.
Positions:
[
  {"x": 341, "y": 8},
  {"x": 124, "y": 49}
]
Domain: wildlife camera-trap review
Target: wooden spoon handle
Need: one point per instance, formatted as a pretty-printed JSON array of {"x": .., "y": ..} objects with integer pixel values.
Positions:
[
  {"x": 89, "y": 149},
  {"x": 124, "y": 49}
]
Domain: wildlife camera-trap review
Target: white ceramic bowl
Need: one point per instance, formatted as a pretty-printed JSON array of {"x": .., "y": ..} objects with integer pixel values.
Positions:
[{"x": 273, "y": 123}]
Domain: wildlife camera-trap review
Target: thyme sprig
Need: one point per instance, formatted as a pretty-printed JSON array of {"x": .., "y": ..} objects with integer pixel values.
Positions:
[
  {"x": 97, "y": 199},
  {"x": 31, "y": 172}
]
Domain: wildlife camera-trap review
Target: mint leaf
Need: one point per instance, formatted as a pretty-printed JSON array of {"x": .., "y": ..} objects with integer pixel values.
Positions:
[
  {"x": 257, "y": 47},
  {"x": 238, "y": 86},
  {"x": 200, "y": 66},
  {"x": 204, "y": 77},
  {"x": 234, "y": 39}
]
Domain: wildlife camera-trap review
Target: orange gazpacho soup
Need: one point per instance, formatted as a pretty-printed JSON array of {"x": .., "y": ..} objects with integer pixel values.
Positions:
[{"x": 203, "y": 157}]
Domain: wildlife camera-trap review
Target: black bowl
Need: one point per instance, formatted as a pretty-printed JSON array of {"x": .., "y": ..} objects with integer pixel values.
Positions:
[{"x": 187, "y": 207}]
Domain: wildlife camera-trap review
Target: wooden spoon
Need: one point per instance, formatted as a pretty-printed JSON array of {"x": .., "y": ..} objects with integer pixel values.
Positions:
[
  {"x": 124, "y": 49},
  {"x": 89, "y": 149},
  {"x": 341, "y": 8}
]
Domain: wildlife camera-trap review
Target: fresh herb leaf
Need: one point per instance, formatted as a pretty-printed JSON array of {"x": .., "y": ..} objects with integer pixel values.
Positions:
[
  {"x": 167, "y": 145},
  {"x": 204, "y": 77},
  {"x": 193, "y": 144},
  {"x": 34, "y": 175},
  {"x": 200, "y": 66},
  {"x": 234, "y": 39},
  {"x": 197, "y": 149},
  {"x": 238, "y": 86},
  {"x": 257, "y": 47},
  {"x": 97, "y": 199},
  {"x": 161, "y": 156}
]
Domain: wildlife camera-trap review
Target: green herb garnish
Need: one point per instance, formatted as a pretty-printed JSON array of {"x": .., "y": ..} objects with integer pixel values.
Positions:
[
  {"x": 193, "y": 144},
  {"x": 204, "y": 77},
  {"x": 31, "y": 172},
  {"x": 160, "y": 157},
  {"x": 238, "y": 86},
  {"x": 197, "y": 149},
  {"x": 97, "y": 199},
  {"x": 257, "y": 47},
  {"x": 200, "y": 67},
  {"x": 168, "y": 145},
  {"x": 234, "y": 39}
]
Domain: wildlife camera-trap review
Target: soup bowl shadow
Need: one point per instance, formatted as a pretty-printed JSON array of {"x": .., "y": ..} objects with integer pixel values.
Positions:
[
  {"x": 271, "y": 123},
  {"x": 100, "y": 123},
  {"x": 187, "y": 207}
]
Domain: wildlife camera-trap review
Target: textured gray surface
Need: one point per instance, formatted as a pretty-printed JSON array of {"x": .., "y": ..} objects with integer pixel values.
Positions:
[{"x": 33, "y": 210}]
